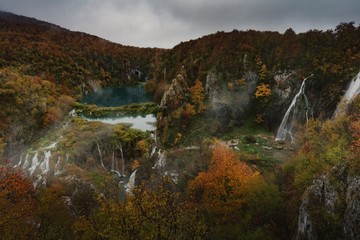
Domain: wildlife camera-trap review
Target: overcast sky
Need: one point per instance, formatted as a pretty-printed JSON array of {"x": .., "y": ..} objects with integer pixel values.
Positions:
[{"x": 165, "y": 23}]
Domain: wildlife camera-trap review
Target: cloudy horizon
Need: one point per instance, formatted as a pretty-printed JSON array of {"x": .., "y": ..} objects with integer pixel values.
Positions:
[{"x": 165, "y": 23}]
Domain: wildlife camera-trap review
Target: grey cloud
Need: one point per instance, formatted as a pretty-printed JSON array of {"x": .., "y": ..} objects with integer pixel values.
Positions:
[{"x": 165, "y": 23}]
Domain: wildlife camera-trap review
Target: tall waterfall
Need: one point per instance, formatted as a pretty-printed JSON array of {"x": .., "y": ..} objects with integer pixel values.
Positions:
[
  {"x": 352, "y": 91},
  {"x": 292, "y": 114}
]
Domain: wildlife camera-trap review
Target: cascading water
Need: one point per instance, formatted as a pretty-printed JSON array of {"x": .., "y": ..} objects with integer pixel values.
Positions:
[
  {"x": 57, "y": 170},
  {"x": 161, "y": 160},
  {"x": 291, "y": 115},
  {"x": 352, "y": 91},
  {"x": 45, "y": 164},
  {"x": 354, "y": 88},
  {"x": 34, "y": 163},
  {"x": 122, "y": 160},
  {"x": 129, "y": 187},
  {"x": 26, "y": 163},
  {"x": 37, "y": 164}
]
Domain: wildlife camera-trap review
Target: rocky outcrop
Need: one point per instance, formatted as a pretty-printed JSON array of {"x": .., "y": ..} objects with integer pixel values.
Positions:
[
  {"x": 286, "y": 85},
  {"x": 230, "y": 101},
  {"x": 176, "y": 93},
  {"x": 330, "y": 208},
  {"x": 174, "y": 97}
]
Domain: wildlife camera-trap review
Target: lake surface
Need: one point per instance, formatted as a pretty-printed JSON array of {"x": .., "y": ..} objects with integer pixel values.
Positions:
[{"x": 117, "y": 96}]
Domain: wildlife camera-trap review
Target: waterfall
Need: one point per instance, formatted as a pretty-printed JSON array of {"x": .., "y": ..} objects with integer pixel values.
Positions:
[
  {"x": 34, "y": 163},
  {"x": 26, "y": 162},
  {"x": 100, "y": 155},
  {"x": 44, "y": 165},
  {"x": 57, "y": 167},
  {"x": 153, "y": 151},
  {"x": 122, "y": 160},
  {"x": 287, "y": 123},
  {"x": 160, "y": 162},
  {"x": 38, "y": 180},
  {"x": 20, "y": 162},
  {"x": 352, "y": 91},
  {"x": 39, "y": 162},
  {"x": 129, "y": 187}
]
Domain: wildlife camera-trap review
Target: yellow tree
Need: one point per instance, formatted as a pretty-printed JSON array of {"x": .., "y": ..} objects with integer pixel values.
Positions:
[
  {"x": 222, "y": 187},
  {"x": 197, "y": 95}
]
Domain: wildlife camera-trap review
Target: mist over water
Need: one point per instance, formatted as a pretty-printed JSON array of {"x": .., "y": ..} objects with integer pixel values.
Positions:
[
  {"x": 143, "y": 123},
  {"x": 117, "y": 96}
]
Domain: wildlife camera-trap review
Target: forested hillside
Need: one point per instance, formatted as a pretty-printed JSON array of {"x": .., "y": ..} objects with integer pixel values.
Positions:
[
  {"x": 279, "y": 62},
  {"x": 70, "y": 58}
]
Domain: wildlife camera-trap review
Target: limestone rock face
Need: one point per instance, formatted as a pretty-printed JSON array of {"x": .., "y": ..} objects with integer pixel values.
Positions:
[
  {"x": 286, "y": 85},
  {"x": 176, "y": 93},
  {"x": 231, "y": 101},
  {"x": 173, "y": 97},
  {"x": 330, "y": 208}
]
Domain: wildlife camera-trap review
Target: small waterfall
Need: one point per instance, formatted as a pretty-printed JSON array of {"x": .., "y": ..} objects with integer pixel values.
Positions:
[
  {"x": 161, "y": 160},
  {"x": 153, "y": 151},
  {"x": 122, "y": 160},
  {"x": 100, "y": 155},
  {"x": 129, "y": 187},
  {"x": 287, "y": 123},
  {"x": 20, "y": 162},
  {"x": 352, "y": 91},
  {"x": 34, "y": 163},
  {"x": 27, "y": 162},
  {"x": 45, "y": 165},
  {"x": 57, "y": 167},
  {"x": 38, "y": 181}
]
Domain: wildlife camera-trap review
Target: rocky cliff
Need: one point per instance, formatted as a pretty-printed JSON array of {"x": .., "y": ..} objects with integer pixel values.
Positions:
[{"x": 330, "y": 208}]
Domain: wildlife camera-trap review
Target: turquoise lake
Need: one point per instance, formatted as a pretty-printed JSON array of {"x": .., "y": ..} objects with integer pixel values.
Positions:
[{"x": 117, "y": 96}]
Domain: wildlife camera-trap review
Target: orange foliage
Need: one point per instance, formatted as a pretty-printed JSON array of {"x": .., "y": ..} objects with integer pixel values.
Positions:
[
  {"x": 17, "y": 205},
  {"x": 263, "y": 90},
  {"x": 189, "y": 110},
  {"x": 53, "y": 115},
  {"x": 222, "y": 187},
  {"x": 197, "y": 95}
]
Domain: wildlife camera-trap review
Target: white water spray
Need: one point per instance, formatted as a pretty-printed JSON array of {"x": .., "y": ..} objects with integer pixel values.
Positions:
[
  {"x": 122, "y": 160},
  {"x": 34, "y": 163},
  {"x": 352, "y": 91},
  {"x": 131, "y": 183},
  {"x": 286, "y": 126}
]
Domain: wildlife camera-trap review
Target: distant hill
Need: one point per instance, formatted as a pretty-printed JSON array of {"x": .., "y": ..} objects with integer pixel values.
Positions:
[{"x": 70, "y": 58}]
